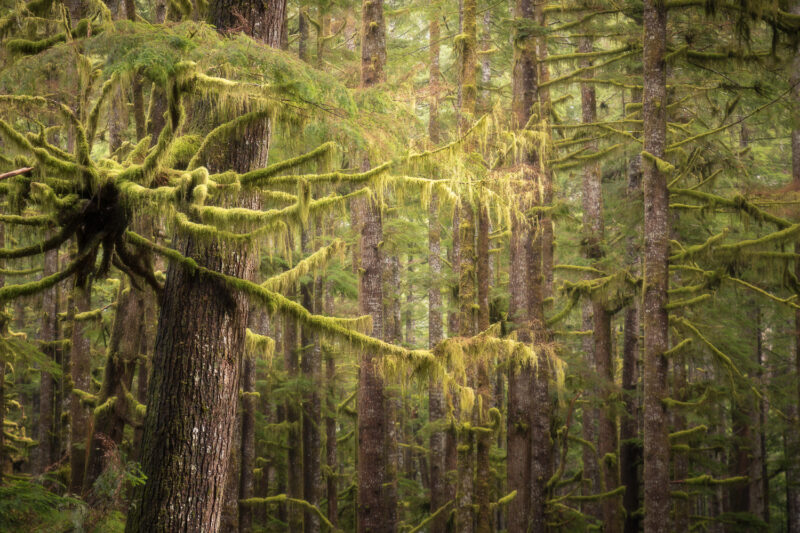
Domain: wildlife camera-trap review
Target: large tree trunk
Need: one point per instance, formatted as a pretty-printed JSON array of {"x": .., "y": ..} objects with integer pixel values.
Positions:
[
  {"x": 376, "y": 509},
  {"x": 656, "y": 274},
  {"x": 192, "y": 399},
  {"x": 521, "y": 377}
]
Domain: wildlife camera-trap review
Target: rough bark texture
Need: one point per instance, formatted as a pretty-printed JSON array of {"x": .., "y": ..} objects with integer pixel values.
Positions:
[
  {"x": 656, "y": 275},
  {"x": 520, "y": 377},
  {"x": 127, "y": 338},
  {"x": 373, "y": 43},
  {"x": 375, "y": 507},
  {"x": 191, "y": 408},
  {"x": 263, "y": 21},
  {"x": 80, "y": 366}
]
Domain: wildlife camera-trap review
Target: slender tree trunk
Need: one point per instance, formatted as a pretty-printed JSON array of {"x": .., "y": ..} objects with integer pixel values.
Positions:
[
  {"x": 680, "y": 465},
  {"x": 630, "y": 454},
  {"x": 47, "y": 333},
  {"x": 80, "y": 367},
  {"x": 792, "y": 440},
  {"x": 311, "y": 367},
  {"x": 594, "y": 234},
  {"x": 591, "y": 471},
  {"x": 375, "y": 507},
  {"x": 656, "y": 274},
  {"x": 248, "y": 423},
  {"x": 436, "y": 406},
  {"x": 294, "y": 482},
  {"x": 303, "y": 35},
  {"x": 123, "y": 352},
  {"x": 331, "y": 448}
]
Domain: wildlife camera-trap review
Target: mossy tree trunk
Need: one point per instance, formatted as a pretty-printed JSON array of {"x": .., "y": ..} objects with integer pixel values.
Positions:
[
  {"x": 127, "y": 338},
  {"x": 792, "y": 439},
  {"x": 521, "y": 376},
  {"x": 436, "y": 406},
  {"x": 593, "y": 242},
  {"x": 80, "y": 373},
  {"x": 294, "y": 481},
  {"x": 45, "y": 452},
  {"x": 656, "y": 274},
  {"x": 630, "y": 452},
  {"x": 193, "y": 393},
  {"x": 311, "y": 367},
  {"x": 376, "y": 508}
]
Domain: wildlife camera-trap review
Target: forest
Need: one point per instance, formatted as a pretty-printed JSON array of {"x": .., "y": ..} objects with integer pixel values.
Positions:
[{"x": 400, "y": 266}]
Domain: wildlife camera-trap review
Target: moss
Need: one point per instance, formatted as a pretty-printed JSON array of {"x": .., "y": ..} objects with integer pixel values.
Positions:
[
  {"x": 86, "y": 399},
  {"x": 661, "y": 165},
  {"x": 687, "y": 433},
  {"x": 283, "y": 498}
]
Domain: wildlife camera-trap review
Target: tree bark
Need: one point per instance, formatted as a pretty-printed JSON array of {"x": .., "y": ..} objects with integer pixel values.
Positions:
[
  {"x": 294, "y": 482},
  {"x": 80, "y": 368},
  {"x": 376, "y": 508},
  {"x": 127, "y": 337},
  {"x": 311, "y": 367},
  {"x": 594, "y": 235},
  {"x": 656, "y": 274},
  {"x": 630, "y": 453},
  {"x": 45, "y": 428}
]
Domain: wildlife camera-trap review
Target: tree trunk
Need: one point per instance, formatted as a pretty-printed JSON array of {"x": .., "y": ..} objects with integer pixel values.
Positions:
[
  {"x": 80, "y": 368},
  {"x": 630, "y": 453},
  {"x": 656, "y": 274},
  {"x": 45, "y": 428},
  {"x": 331, "y": 459},
  {"x": 127, "y": 337},
  {"x": 436, "y": 406},
  {"x": 294, "y": 484},
  {"x": 191, "y": 408},
  {"x": 376, "y": 509},
  {"x": 311, "y": 367},
  {"x": 521, "y": 377},
  {"x": 373, "y": 43},
  {"x": 594, "y": 234}
]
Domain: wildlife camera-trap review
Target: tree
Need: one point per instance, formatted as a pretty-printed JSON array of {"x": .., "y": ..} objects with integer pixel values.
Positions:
[{"x": 656, "y": 275}]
